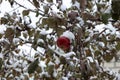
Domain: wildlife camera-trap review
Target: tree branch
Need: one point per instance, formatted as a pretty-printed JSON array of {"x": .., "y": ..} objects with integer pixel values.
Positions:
[{"x": 30, "y": 9}]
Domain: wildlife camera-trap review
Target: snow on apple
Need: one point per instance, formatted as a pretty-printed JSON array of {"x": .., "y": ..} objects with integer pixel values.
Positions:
[{"x": 69, "y": 35}]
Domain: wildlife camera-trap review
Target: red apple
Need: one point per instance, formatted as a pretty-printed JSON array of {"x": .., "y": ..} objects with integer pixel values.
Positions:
[{"x": 63, "y": 43}]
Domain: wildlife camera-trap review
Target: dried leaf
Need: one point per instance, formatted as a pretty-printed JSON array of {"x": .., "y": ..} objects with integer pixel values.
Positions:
[
  {"x": 39, "y": 69},
  {"x": 108, "y": 56},
  {"x": 88, "y": 52},
  {"x": 62, "y": 60},
  {"x": 83, "y": 4},
  {"x": 25, "y": 12},
  {"x": 3, "y": 20},
  {"x": 50, "y": 69},
  {"x": 36, "y": 3},
  {"x": 46, "y": 9},
  {"x": 9, "y": 32}
]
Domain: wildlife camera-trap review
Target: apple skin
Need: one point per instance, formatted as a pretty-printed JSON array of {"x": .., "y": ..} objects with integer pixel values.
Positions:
[{"x": 63, "y": 43}]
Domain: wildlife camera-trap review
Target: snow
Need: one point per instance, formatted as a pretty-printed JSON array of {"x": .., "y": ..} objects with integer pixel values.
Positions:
[
  {"x": 88, "y": 39},
  {"x": 81, "y": 21},
  {"x": 26, "y": 4},
  {"x": 31, "y": 78},
  {"x": 1, "y": 55},
  {"x": 94, "y": 8},
  {"x": 40, "y": 40},
  {"x": 64, "y": 78},
  {"x": 90, "y": 59},
  {"x": 40, "y": 50},
  {"x": 57, "y": 61},
  {"x": 68, "y": 2},
  {"x": 42, "y": 64},
  {"x": 69, "y": 35},
  {"x": 4, "y": 8},
  {"x": 118, "y": 76},
  {"x": 30, "y": 52},
  {"x": 111, "y": 28},
  {"x": 2, "y": 29},
  {"x": 26, "y": 19},
  {"x": 108, "y": 10},
  {"x": 16, "y": 40},
  {"x": 63, "y": 7},
  {"x": 26, "y": 50},
  {"x": 76, "y": 4},
  {"x": 118, "y": 35},
  {"x": 101, "y": 44},
  {"x": 69, "y": 54},
  {"x": 50, "y": 63},
  {"x": 108, "y": 26},
  {"x": 54, "y": 9},
  {"x": 99, "y": 27},
  {"x": 45, "y": 32}
]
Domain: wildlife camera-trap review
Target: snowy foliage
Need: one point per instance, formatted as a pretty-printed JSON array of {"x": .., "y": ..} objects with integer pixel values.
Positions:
[{"x": 29, "y": 30}]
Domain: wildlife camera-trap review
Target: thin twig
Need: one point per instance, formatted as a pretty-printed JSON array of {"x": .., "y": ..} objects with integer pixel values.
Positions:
[
  {"x": 95, "y": 37},
  {"x": 14, "y": 9},
  {"x": 30, "y": 9},
  {"x": 30, "y": 2}
]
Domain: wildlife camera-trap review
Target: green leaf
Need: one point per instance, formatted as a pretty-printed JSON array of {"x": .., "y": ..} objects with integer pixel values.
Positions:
[
  {"x": 63, "y": 60},
  {"x": 115, "y": 16},
  {"x": 50, "y": 1},
  {"x": 77, "y": 75},
  {"x": 33, "y": 66},
  {"x": 97, "y": 53},
  {"x": 118, "y": 46},
  {"x": 1, "y": 35},
  {"x": 49, "y": 53},
  {"x": 116, "y": 6},
  {"x": 1, "y": 63},
  {"x": 25, "y": 12},
  {"x": 31, "y": 32},
  {"x": 115, "y": 9},
  {"x": 104, "y": 39},
  {"x": 25, "y": 35},
  {"x": 59, "y": 31},
  {"x": 37, "y": 13},
  {"x": 105, "y": 17},
  {"x": 50, "y": 69}
]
